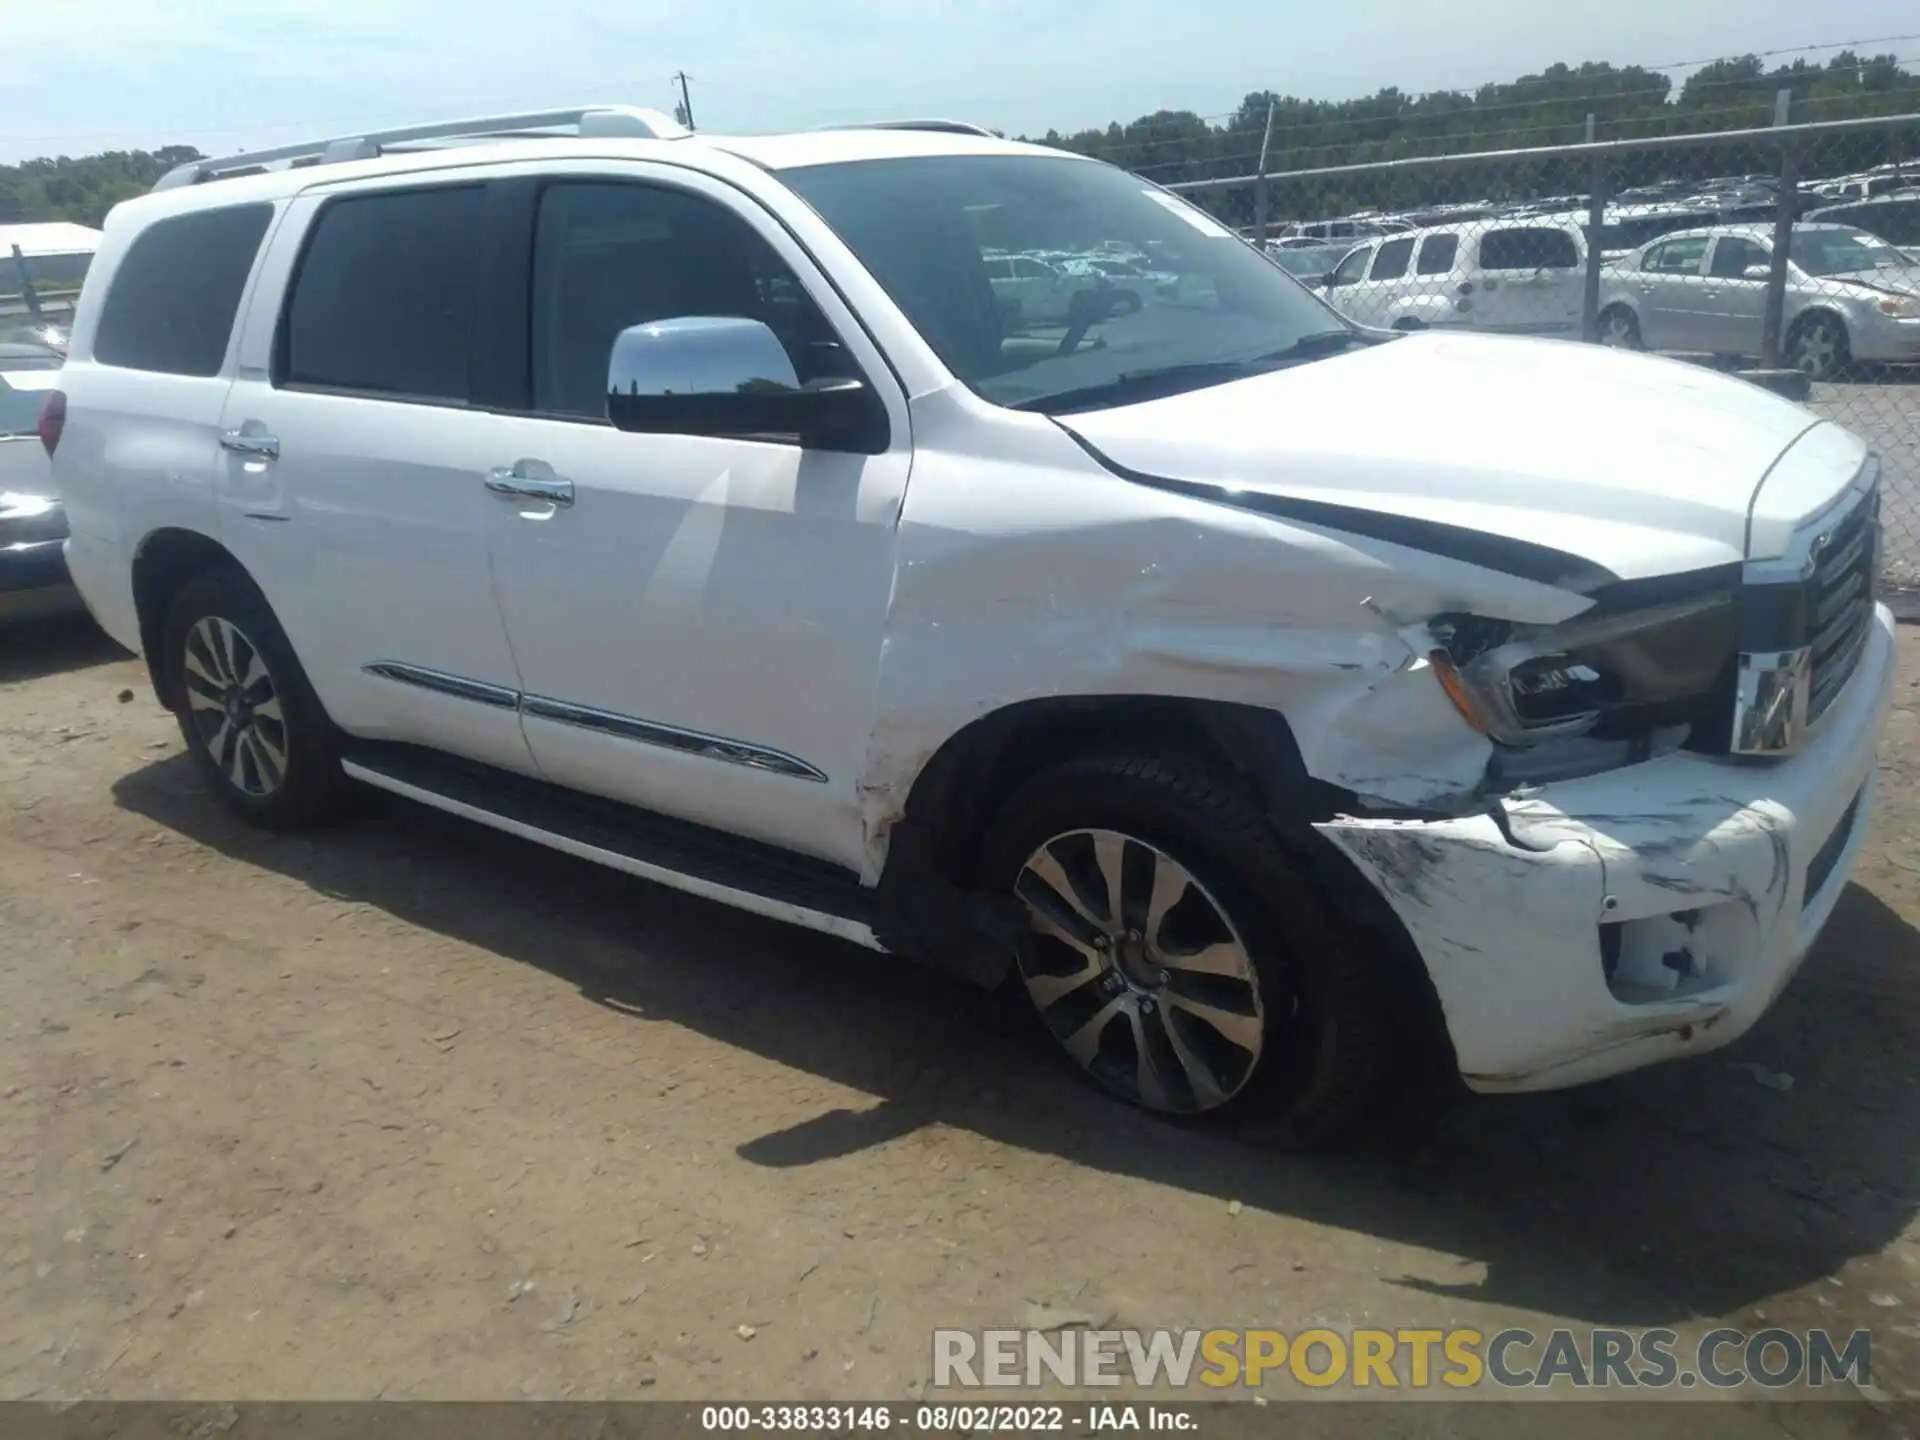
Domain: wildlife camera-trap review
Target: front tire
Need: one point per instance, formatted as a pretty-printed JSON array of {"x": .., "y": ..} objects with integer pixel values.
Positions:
[
  {"x": 246, "y": 710},
  {"x": 1620, "y": 329},
  {"x": 1178, "y": 955},
  {"x": 1819, "y": 346}
]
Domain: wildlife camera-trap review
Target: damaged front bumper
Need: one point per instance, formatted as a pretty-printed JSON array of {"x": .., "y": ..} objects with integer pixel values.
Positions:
[{"x": 1597, "y": 925}]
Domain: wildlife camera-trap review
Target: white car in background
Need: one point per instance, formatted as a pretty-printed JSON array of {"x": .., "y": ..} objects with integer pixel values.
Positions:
[
  {"x": 1519, "y": 278},
  {"x": 1849, "y": 296}
]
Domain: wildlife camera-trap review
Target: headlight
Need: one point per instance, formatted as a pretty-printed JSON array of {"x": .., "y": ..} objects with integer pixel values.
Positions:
[
  {"x": 1614, "y": 676},
  {"x": 1901, "y": 307}
]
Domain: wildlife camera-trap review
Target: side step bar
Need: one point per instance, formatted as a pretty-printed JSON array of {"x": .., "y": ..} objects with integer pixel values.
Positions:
[{"x": 746, "y": 874}]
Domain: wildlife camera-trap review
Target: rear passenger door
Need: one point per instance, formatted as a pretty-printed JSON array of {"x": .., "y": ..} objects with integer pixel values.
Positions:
[
  {"x": 1380, "y": 298},
  {"x": 353, "y": 480},
  {"x": 1529, "y": 280}
]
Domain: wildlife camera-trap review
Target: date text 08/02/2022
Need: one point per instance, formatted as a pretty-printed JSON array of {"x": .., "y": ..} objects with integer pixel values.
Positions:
[{"x": 942, "y": 1419}]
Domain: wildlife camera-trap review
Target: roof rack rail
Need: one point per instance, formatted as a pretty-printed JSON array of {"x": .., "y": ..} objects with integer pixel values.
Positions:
[
  {"x": 948, "y": 127},
  {"x": 587, "y": 122}
]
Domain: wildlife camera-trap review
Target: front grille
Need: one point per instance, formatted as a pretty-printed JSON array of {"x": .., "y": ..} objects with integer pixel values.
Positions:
[{"x": 1840, "y": 601}]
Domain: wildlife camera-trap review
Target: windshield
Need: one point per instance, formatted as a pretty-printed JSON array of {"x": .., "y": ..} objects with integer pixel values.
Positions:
[
  {"x": 1201, "y": 298},
  {"x": 1841, "y": 252}
]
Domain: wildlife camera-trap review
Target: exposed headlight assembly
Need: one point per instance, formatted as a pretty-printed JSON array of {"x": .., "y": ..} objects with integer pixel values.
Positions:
[{"x": 1609, "y": 675}]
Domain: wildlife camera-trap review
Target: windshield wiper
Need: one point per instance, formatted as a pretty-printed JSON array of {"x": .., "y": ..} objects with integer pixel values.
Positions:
[
  {"x": 1144, "y": 385},
  {"x": 1164, "y": 380},
  {"x": 1312, "y": 347}
]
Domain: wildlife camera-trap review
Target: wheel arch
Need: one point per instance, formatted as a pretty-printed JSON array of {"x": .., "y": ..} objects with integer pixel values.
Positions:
[
  {"x": 929, "y": 901},
  {"x": 164, "y": 561}
]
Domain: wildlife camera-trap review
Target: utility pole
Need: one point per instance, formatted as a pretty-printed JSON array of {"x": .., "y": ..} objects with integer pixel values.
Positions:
[
  {"x": 1260, "y": 186},
  {"x": 686, "y": 101}
]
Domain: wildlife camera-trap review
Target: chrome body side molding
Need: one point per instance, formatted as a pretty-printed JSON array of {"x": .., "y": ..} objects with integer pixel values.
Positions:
[{"x": 625, "y": 727}]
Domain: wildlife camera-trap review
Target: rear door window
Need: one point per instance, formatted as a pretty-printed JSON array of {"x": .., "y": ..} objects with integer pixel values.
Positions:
[
  {"x": 1528, "y": 249},
  {"x": 1437, "y": 254},
  {"x": 385, "y": 296},
  {"x": 1677, "y": 257},
  {"x": 1390, "y": 262},
  {"x": 177, "y": 290}
]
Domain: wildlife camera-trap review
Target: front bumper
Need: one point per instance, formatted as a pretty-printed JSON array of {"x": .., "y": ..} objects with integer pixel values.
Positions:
[
  {"x": 1603, "y": 924},
  {"x": 1885, "y": 339}
]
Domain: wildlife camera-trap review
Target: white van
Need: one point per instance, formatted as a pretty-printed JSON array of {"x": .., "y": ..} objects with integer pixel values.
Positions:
[
  {"x": 1286, "y": 710},
  {"x": 1522, "y": 277}
]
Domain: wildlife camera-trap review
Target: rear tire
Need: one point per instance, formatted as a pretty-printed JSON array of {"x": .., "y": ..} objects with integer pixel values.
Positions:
[
  {"x": 248, "y": 714},
  {"x": 1620, "y": 328},
  {"x": 1818, "y": 345},
  {"x": 1218, "y": 988}
]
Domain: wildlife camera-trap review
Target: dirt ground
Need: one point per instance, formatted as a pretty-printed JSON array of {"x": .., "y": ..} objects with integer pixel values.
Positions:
[{"x": 415, "y": 1110}]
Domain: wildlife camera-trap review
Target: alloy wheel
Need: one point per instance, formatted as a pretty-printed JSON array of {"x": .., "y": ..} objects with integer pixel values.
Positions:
[
  {"x": 1816, "y": 350},
  {"x": 235, "y": 708},
  {"x": 1617, "y": 330},
  {"x": 1139, "y": 972}
]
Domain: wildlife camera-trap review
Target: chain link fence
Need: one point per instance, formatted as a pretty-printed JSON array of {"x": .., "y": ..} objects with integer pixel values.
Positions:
[{"x": 1789, "y": 255}]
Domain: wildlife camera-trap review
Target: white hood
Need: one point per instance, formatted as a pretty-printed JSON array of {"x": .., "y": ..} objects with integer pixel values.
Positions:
[{"x": 1640, "y": 466}]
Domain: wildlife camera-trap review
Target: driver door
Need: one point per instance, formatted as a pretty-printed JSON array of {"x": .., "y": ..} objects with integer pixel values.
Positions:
[
  {"x": 697, "y": 619},
  {"x": 1345, "y": 287}
]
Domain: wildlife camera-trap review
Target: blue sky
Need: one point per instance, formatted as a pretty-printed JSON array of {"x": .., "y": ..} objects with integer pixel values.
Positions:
[{"x": 78, "y": 76}]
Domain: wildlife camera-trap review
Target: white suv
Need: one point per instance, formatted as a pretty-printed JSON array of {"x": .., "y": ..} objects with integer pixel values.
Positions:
[
  {"x": 692, "y": 505},
  {"x": 1522, "y": 277}
]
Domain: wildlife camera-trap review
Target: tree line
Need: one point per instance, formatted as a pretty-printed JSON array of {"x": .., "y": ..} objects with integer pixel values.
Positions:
[{"x": 1550, "y": 108}]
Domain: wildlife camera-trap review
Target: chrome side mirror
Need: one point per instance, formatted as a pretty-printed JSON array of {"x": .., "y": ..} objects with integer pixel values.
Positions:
[{"x": 728, "y": 375}]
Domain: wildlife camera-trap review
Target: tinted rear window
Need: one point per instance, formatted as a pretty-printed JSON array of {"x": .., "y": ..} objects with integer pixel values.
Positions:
[
  {"x": 175, "y": 294},
  {"x": 384, "y": 298},
  {"x": 1391, "y": 261},
  {"x": 1528, "y": 250},
  {"x": 1436, "y": 254}
]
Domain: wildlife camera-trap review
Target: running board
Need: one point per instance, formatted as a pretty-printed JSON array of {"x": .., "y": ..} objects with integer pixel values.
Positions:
[{"x": 747, "y": 874}]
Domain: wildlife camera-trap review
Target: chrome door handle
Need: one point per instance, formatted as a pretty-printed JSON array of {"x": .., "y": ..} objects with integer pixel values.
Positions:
[
  {"x": 510, "y": 483},
  {"x": 246, "y": 442}
]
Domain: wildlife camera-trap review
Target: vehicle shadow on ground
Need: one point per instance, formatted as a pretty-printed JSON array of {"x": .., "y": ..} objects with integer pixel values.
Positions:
[
  {"x": 1691, "y": 1189},
  {"x": 53, "y": 645}
]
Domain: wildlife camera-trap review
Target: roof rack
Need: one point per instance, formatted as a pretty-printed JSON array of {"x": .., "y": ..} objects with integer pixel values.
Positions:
[
  {"x": 947, "y": 127},
  {"x": 586, "y": 122}
]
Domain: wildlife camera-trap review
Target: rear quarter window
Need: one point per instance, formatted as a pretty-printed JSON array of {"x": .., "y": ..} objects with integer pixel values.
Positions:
[
  {"x": 176, "y": 291},
  {"x": 1539, "y": 248}
]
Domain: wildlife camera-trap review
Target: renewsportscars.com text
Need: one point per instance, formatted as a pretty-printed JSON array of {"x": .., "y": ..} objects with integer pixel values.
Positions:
[{"x": 1415, "y": 1359}]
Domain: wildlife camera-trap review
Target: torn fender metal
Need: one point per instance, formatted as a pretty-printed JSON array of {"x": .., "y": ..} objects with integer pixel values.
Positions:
[{"x": 1018, "y": 581}]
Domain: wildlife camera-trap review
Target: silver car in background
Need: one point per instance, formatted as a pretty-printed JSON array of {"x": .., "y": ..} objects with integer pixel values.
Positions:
[
  {"x": 33, "y": 523},
  {"x": 1850, "y": 296}
]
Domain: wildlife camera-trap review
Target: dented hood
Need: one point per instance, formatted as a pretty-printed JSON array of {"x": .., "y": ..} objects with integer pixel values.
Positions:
[{"x": 1586, "y": 464}]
